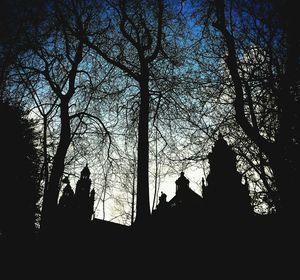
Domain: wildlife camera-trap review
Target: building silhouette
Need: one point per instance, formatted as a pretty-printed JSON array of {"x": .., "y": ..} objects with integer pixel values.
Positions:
[
  {"x": 224, "y": 194},
  {"x": 224, "y": 199},
  {"x": 75, "y": 210}
]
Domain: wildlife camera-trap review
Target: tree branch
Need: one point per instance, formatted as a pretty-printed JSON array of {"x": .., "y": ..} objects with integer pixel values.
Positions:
[{"x": 231, "y": 62}]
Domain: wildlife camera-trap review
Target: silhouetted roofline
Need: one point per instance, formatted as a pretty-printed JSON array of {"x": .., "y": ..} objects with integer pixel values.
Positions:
[
  {"x": 196, "y": 195},
  {"x": 101, "y": 222}
]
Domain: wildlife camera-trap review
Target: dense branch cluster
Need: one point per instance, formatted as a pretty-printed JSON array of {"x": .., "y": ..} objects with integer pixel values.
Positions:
[{"x": 141, "y": 89}]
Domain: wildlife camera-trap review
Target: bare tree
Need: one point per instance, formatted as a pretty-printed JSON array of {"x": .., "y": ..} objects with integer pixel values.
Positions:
[
  {"x": 138, "y": 31},
  {"x": 53, "y": 65},
  {"x": 284, "y": 144}
]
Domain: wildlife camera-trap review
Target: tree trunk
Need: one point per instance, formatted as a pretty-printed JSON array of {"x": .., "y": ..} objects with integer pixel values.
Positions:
[
  {"x": 143, "y": 203},
  {"x": 52, "y": 193}
]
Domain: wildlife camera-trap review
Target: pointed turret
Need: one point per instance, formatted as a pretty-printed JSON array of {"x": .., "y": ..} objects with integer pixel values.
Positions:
[
  {"x": 66, "y": 199},
  {"x": 225, "y": 194},
  {"x": 85, "y": 173},
  {"x": 83, "y": 197},
  {"x": 182, "y": 183}
]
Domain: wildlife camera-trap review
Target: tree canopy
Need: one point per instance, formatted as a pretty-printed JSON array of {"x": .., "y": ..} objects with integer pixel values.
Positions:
[{"x": 141, "y": 89}]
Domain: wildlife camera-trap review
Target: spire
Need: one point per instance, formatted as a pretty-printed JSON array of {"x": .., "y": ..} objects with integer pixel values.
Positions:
[
  {"x": 225, "y": 192},
  {"x": 83, "y": 184},
  {"x": 67, "y": 195},
  {"x": 182, "y": 182},
  {"x": 84, "y": 198},
  {"x": 85, "y": 173}
]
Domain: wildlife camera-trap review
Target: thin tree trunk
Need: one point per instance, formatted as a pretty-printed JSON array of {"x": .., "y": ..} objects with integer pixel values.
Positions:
[
  {"x": 133, "y": 197},
  {"x": 156, "y": 174},
  {"x": 46, "y": 168},
  {"x": 45, "y": 153},
  {"x": 104, "y": 195},
  {"x": 103, "y": 203}
]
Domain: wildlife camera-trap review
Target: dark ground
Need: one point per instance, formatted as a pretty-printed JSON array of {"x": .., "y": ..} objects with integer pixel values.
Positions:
[{"x": 264, "y": 248}]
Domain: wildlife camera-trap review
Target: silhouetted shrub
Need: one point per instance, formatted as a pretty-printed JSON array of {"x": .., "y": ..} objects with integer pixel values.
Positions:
[{"x": 18, "y": 170}]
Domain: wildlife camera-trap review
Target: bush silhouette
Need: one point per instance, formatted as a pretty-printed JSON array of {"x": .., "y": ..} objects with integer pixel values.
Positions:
[{"x": 18, "y": 171}]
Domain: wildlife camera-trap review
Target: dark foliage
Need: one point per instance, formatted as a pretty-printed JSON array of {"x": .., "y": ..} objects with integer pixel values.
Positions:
[{"x": 19, "y": 189}]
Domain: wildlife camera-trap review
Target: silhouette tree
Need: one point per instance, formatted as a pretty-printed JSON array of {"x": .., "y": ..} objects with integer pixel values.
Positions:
[
  {"x": 136, "y": 44},
  {"x": 165, "y": 96},
  {"x": 33, "y": 81},
  {"x": 281, "y": 151},
  {"x": 54, "y": 65},
  {"x": 19, "y": 190}
]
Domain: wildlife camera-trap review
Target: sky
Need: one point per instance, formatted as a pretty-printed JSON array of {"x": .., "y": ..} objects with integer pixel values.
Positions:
[{"x": 167, "y": 185}]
